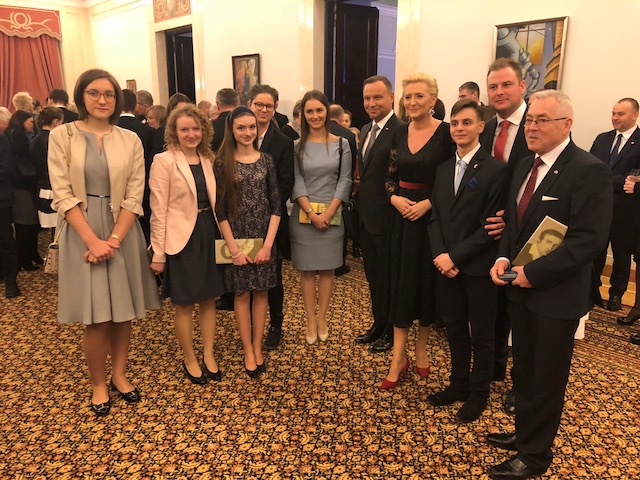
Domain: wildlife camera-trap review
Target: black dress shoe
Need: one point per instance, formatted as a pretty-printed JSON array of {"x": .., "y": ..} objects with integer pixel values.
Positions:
[
  {"x": 383, "y": 344},
  {"x": 614, "y": 303},
  {"x": 471, "y": 410},
  {"x": 28, "y": 267},
  {"x": 635, "y": 339},
  {"x": 129, "y": 397},
  {"x": 510, "y": 403},
  {"x": 101, "y": 409},
  {"x": 514, "y": 469},
  {"x": 12, "y": 290},
  {"x": 629, "y": 319},
  {"x": 369, "y": 336},
  {"x": 38, "y": 260},
  {"x": 343, "y": 270},
  {"x": 506, "y": 441},
  {"x": 225, "y": 302},
  {"x": 273, "y": 338},
  {"x": 201, "y": 380},
  {"x": 446, "y": 397},
  {"x": 215, "y": 376},
  {"x": 253, "y": 373}
]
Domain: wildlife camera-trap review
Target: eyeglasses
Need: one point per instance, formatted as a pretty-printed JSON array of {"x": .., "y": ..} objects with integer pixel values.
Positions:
[
  {"x": 541, "y": 122},
  {"x": 95, "y": 95},
  {"x": 260, "y": 106}
]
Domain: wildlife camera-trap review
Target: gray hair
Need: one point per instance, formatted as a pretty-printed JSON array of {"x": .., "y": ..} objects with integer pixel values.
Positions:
[{"x": 565, "y": 106}]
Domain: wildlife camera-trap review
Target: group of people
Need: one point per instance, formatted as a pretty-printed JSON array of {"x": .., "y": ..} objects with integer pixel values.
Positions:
[{"x": 444, "y": 209}]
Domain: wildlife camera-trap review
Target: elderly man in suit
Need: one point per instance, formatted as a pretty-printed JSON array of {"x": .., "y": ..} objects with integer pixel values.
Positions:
[
  {"x": 374, "y": 206},
  {"x": 503, "y": 138},
  {"x": 263, "y": 102},
  {"x": 574, "y": 188},
  {"x": 619, "y": 149},
  {"x": 469, "y": 187}
]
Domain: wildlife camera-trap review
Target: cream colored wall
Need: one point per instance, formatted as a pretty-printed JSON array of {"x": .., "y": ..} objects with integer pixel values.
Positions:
[{"x": 453, "y": 41}]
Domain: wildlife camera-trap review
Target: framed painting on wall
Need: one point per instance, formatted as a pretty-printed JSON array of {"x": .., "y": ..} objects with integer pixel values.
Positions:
[
  {"x": 131, "y": 85},
  {"x": 538, "y": 46},
  {"x": 246, "y": 73}
]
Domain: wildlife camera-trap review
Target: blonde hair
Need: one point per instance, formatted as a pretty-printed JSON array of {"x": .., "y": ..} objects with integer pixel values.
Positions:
[
  {"x": 23, "y": 101},
  {"x": 428, "y": 80}
]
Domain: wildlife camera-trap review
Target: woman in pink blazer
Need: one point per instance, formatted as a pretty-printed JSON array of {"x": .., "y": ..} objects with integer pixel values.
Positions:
[{"x": 183, "y": 199}]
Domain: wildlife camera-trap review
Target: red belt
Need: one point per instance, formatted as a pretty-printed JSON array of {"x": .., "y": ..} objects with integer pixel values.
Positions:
[{"x": 415, "y": 186}]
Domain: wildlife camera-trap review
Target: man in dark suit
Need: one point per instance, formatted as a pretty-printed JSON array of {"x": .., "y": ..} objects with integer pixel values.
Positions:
[
  {"x": 472, "y": 90},
  {"x": 620, "y": 150},
  {"x": 469, "y": 187},
  {"x": 129, "y": 121},
  {"x": 503, "y": 138},
  {"x": 374, "y": 206},
  {"x": 550, "y": 294},
  {"x": 8, "y": 253},
  {"x": 226, "y": 100},
  {"x": 262, "y": 100},
  {"x": 144, "y": 101},
  {"x": 60, "y": 98}
]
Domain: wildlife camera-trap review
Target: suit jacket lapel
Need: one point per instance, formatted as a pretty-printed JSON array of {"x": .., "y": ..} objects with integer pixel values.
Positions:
[
  {"x": 472, "y": 169},
  {"x": 183, "y": 166},
  {"x": 635, "y": 137},
  {"x": 268, "y": 137}
]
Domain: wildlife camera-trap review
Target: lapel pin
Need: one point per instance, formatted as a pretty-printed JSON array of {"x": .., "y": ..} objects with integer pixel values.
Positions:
[{"x": 555, "y": 172}]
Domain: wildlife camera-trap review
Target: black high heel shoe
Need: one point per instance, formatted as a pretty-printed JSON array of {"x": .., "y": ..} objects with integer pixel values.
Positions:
[
  {"x": 253, "y": 373},
  {"x": 201, "y": 380},
  {"x": 101, "y": 409},
  {"x": 129, "y": 397},
  {"x": 215, "y": 376},
  {"x": 262, "y": 368}
]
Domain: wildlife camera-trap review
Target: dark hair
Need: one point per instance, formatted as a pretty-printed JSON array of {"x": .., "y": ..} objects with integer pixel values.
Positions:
[
  {"x": 228, "y": 191},
  {"x": 58, "y": 95},
  {"x": 379, "y": 78},
  {"x": 228, "y": 97},
  {"x": 632, "y": 101},
  {"x": 465, "y": 103},
  {"x": 144, "y": 98},
  {"x": 259, "y": 88},
  {"x": 304, "y": 126},
  {"x": 174, "y": 100},
  {"x": 553, "y": 233},
  {"x": 439, "y": 111},
  {"x": 47, "y": 115},
  {"x": 470, "y": 87},
  {"x": 128, "y": 101},
  {"x": 502, "y": 63},
  {"x": 84, "y": 80},
  {"x": 16, "y": 122},
  {"x": 348, "y": 113}
]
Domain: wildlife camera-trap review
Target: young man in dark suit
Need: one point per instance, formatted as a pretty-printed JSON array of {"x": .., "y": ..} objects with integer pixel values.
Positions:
[
  {"x": 469, "y": 187},
  {"x": 619, "y": 149},
  {"x": 550, "y": 294},
  {"x": 60, "y": 98},
  {"x": 503, "y": 138},
  {"x": 226, "y": 100},
  {"x": 374, "y": 206},
  {"x": 263, "y": 101}
]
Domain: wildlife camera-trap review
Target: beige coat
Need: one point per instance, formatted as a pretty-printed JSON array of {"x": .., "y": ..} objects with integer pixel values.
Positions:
[
  {"x": 125, "y": 159},
  {"x": 174, "y": 201}
]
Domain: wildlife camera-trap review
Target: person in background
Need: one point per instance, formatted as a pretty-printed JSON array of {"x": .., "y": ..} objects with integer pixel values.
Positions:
[
  {"x": 292, "y": 129},
  {"x": 8, "y": 257},
  {"x": 23, "y": 101},
  {"x": 144, "y": 101},
  {"x": 346, "y": 119},
  {"x": 176, "y": 100},
  {"x": 104, "y": 282},
  {"x": 205, "y": 106},
  {"x": 631, "y": 188},
  {"x": 25, "y": 213},
  {"x": 249, "y": 208},
  {"x": 5, "y": 116},
  {"x": 60, "y": 98},
  {"x": 183, "y": 199},
  {"x": 48, "y": 119},
  {"x": 227, "y": 99},
  {"x": 156, "y": 116},
  {"x": 417, "y": 150},
  {"x": 322, "y": 176},
  {"x": 472, "y": 90}
]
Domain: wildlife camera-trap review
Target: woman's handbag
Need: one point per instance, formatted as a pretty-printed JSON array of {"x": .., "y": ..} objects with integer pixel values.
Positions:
[
  {"x": 51, "y": 262},
  {"x": 248, "y": 246},
  {"x": 351, "y": 219}
]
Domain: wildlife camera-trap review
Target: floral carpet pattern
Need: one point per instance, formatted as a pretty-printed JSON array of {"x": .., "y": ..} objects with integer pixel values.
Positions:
[{"x": 317, "y": 412}]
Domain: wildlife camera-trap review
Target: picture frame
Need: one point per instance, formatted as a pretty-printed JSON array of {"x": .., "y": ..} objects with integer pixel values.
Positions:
[
  {"x": 538, "y": 46},
  {"x": 131, "y": 85},
  {"x": 246, "y": 73}
]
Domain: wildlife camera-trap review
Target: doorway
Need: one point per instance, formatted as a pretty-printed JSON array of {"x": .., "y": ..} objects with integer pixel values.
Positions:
[{"x": 180, "y": 72}]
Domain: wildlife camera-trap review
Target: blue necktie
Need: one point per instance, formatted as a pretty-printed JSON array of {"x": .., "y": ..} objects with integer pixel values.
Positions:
[
  {"x": 614, "y": 153},
  {"x": 462, "y": 167}
]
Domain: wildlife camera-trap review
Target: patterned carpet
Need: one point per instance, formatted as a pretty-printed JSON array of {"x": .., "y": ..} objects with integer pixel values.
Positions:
[{"x": 317, "y": 413}]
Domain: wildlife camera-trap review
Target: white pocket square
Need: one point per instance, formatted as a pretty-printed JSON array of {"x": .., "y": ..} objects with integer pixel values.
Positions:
[{"x": 545, "y": 198}]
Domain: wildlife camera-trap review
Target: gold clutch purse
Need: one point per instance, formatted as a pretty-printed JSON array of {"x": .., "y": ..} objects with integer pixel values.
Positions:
[
  {"x": 336, "y": 219},
  {"x": 248, "y": 246}
]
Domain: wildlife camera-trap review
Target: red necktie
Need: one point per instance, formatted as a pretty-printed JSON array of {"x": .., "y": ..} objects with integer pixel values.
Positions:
[
  {"x": 529, "y": 188},
  {"x": 501, "y": 141}
]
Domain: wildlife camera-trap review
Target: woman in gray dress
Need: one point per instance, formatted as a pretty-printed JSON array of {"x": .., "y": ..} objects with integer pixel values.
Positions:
[
  {"x": 97, "y": 178},
  {"x": 322, "y": 183}
]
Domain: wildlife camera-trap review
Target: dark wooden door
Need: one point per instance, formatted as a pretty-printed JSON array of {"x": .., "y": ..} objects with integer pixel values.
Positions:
[
  {"x": 356, "y": 56},
  {"x": 180, "y": 62}
]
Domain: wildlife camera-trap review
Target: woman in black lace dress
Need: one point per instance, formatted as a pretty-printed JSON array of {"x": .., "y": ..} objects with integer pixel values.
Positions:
[
  {"x": 417, "y": 150},
  {"x": 248, "y": 208}
]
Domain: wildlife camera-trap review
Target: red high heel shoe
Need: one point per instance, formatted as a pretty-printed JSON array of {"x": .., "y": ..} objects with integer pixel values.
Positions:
[
  {"x": 388, "y": 384},
  {"x": 423, "y": 372}
]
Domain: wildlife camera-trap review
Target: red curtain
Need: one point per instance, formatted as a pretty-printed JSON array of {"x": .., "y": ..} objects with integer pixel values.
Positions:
[{"x": 29, "y": 64}]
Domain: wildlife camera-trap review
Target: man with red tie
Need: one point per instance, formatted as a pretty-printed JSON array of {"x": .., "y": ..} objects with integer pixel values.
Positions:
[{"x": 549, "y": 295}]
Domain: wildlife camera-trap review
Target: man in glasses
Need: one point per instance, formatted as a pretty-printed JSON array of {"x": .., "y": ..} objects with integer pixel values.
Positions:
[{"x": 263, "y": 102}]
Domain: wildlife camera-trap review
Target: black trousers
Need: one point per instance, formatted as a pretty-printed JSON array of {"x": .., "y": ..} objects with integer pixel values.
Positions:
[
  {"x": 501, "y": 334},
  {"x": 622, "y": 248},
  {"x": 469, "y": 312},
  {"x": 276, "y": 298},
  {"x": 27, "y": 243},
  {"x": 542, "y": 351},
  {"x": 375, "y": 253},
  {"x": 8, "y": 254}
]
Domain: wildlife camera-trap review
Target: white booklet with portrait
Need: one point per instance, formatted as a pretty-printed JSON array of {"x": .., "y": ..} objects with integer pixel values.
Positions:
[{"x": 548, "y": 237}]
